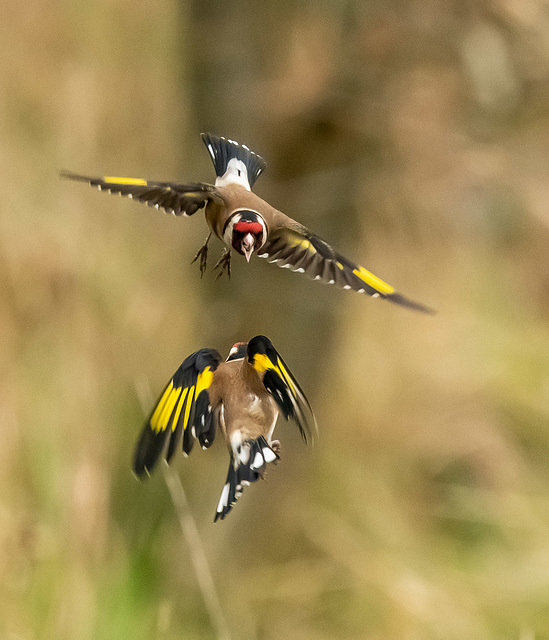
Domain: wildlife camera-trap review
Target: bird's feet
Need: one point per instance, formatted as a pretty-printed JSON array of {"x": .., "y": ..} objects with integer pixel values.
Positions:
[
  {"x": 202, "y": 253},
  {"x": 224, "y": 264},
  {"x": 275, "y": 446}
]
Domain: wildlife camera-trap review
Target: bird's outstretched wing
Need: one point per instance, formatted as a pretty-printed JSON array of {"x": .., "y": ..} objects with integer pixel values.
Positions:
[
  {"x": 178, "y": 199},
  {"x": 300, "y": 250},
  {"x": 281, "y": 384},
  {"x": 183, "y": 409}
]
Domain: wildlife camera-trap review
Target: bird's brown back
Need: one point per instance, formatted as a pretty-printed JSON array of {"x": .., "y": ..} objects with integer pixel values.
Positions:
[
  {"x": 247, "y": 406},
  {"x": 235, "y": 197}
]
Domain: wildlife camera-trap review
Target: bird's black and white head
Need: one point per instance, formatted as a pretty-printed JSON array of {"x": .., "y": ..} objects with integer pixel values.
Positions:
[
  {"x": 234, "y": 163},
  {"x": 245, "y": 232},
  {"x": 237, "y": 352}
]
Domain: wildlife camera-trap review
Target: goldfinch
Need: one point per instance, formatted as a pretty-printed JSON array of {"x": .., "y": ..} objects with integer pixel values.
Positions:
[
  {"x": 248, "y": 224},
  {"x": 241, "y": 397}
]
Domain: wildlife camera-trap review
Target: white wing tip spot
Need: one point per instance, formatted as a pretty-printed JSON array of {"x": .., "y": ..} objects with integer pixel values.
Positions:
[
  {"x": 224, "y": 499},
  {"x": 268, "y": 454},
  {"x": 258, "y": 461}
]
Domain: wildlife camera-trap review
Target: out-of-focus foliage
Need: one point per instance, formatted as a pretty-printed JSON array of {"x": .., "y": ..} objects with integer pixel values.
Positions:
[{"x": 412, "y": 135}]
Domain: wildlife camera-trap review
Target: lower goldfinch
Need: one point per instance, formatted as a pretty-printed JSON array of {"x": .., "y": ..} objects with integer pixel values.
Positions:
[{"x": 242, "y": 397}]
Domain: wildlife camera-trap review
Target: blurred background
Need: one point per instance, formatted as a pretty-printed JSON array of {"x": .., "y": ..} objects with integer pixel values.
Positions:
[{"x": 414, "y": 136}]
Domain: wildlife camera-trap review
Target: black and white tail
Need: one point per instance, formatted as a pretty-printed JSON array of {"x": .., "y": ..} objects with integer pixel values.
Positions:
[
  {"x": 245, "y": 468},
  {"x": 222, "y": 151}
]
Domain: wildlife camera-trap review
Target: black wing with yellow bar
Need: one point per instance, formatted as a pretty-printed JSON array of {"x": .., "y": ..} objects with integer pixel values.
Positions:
[
  {"x": 301, "y": 250},
  {"x": 281, "y": 384},
  {"x": 178, "y": 199},
  {"x": 183, "y": 411}
]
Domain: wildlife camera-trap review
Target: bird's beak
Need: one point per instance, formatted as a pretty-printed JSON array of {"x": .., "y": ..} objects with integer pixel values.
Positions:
[{"x": 248, "y": 245}]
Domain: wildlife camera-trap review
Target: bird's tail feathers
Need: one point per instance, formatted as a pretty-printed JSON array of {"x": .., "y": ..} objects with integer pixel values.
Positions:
[
  {"x": 223, "y": 150},
  {"x": 247, "y": 466}
]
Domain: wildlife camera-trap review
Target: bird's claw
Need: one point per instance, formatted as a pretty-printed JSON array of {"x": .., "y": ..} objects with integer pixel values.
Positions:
[
  {"x": 202, "y": 253},
  {"x": 224, "y": 264},
  {"x": 275, "y": 446}
]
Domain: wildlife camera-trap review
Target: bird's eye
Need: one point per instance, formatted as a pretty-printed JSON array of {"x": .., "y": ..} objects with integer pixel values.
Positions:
[{"x": 239, "y": 172}]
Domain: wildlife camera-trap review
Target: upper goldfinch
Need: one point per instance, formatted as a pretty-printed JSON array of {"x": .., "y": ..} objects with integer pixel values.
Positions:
[
  {"x": 242, "y": 397},
  {"x": 248, "y": 224}
]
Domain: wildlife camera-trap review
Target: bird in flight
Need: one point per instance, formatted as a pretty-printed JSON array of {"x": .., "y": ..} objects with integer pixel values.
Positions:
[
  {"x": 248, "y": 224},
  {"x": 241, "y": 397}
]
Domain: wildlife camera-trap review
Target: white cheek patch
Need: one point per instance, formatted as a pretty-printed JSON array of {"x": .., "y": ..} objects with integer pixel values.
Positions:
[
  {"x": 233, "y": 351},
  {"x": 236, "y": 173},
  {"x": 228, "y": 235}
]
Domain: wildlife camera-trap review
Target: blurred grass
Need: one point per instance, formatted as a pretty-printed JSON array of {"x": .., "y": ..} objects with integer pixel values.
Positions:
[{"x": 413, "y": 136}]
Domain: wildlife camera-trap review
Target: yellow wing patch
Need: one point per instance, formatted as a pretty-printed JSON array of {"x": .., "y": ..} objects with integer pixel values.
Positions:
[
  {"x": 114, "y": 180},
  {"x": 174, "y": 398},
  {"x": 204, "y": 380},
  {"x": 297, "y": 241},
  {"x": 188, "y": 408},
  {"x": 178, "y": 410},
  {"x": 263, "y": 363},
  {"x": 373, "y": 281},
  {"x": 287, "y": 377},
  {"x": 168, "y": 409},
  {"x": 160, "y": 407}
]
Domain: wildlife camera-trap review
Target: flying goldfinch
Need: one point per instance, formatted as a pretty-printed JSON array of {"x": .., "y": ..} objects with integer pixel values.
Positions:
[
  {"x": 242, "y": 397},
  {"x": 248, "y": 224}
]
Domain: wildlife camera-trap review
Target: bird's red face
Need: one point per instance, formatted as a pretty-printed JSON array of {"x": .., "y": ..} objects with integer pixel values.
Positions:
[{"x": 247, "y": 232}]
